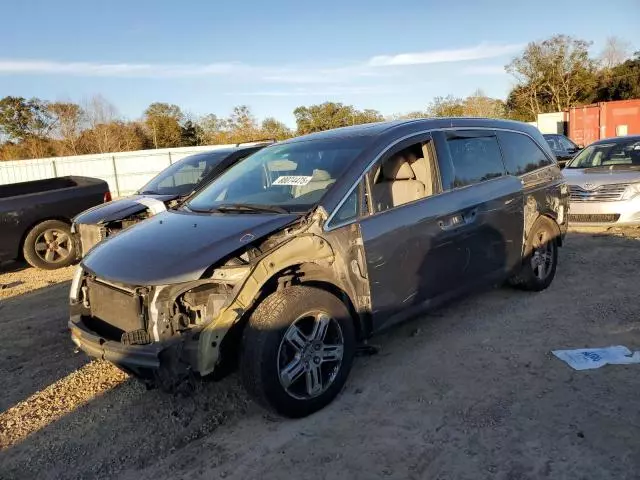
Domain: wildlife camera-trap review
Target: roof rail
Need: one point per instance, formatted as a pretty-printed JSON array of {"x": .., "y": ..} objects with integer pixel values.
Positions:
[{"x": 265, "y": 140}]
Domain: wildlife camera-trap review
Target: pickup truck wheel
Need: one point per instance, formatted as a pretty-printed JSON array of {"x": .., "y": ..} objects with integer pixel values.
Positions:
[
  {"x": 541, "y": 258},
  {"x": 297, "y": 350},
  {"x": 49, "y": 245}
]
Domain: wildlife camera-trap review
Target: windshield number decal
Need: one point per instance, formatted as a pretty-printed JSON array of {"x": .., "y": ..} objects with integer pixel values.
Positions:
[{"x": 295, "y": 180}]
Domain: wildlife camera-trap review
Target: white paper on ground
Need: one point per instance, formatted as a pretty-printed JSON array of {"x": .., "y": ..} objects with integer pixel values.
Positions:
[{"x": 588, "y": 358}]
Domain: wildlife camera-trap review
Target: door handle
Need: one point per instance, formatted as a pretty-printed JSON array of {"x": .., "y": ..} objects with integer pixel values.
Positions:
[{"x": 458, "y": 220}]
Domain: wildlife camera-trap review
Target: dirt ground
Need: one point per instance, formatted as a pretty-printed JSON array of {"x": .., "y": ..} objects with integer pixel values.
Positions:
[{"x": 470, "y": 391}]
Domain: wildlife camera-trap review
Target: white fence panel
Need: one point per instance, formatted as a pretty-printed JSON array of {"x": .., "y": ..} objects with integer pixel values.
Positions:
[{"x": 125, "y": 172}]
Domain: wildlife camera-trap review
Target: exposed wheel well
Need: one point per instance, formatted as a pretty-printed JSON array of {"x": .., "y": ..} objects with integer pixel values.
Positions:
[
  {"x": 555, "y": 226},
  {"x": 305, "y": 274}
]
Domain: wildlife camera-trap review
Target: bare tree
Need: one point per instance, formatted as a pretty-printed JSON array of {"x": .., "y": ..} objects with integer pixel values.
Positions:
[
  {"x": 68, "y": 125},
  {"x": 100, "y": 113},
  {"x": 615, "y": 52},
  {"x": 479, "y": 105}
]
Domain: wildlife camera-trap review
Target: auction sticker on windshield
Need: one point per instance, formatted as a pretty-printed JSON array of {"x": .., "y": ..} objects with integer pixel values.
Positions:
[{"x": 292, "y": 180}]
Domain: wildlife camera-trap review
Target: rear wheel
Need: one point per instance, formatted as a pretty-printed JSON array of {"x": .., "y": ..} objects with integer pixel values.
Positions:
[
  {"x": 298, "y": 348},
  {"x": 541, "y": 257},
  {"x": 49, "y": 245}
]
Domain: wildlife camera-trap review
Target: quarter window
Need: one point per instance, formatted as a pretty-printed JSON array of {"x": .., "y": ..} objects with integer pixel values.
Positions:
[
  {"x": 521, "y": 154},
  {"x": 474, "y": 159},
  {"x": 349, "y": 209}
]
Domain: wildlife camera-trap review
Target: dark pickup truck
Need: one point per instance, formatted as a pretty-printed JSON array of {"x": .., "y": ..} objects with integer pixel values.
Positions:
[{"x": 35, "y": 218}]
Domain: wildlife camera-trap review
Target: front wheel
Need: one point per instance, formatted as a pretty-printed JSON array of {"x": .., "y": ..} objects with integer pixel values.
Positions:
[
  {"x": 297, "y": 350},
  {"x": 541, "y": 257}
]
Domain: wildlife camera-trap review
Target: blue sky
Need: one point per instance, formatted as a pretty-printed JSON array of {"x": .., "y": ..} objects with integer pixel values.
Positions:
[{"x": 208, "y": 56}]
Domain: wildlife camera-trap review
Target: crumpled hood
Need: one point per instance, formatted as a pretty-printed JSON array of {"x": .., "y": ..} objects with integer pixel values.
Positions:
[
  {"x": 177, "y": 246},
  {"x": 118, "y": 209},
  {"x": 599, "y": 176}
]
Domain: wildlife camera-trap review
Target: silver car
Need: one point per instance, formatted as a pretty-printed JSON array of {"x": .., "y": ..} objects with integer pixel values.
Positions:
[{"x": 604, "y": 180}]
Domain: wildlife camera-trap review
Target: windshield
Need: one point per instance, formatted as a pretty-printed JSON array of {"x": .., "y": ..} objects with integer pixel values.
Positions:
[
  {"x": 290, "y": 177},
  {"x": 182, "y": 177},
  {"x": 624, "y": 152},
  {"x": 559, "y": 143}
]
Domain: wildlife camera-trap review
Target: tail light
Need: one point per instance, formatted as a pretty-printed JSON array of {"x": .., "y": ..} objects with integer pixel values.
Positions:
[{"x": 107, "y": 197}]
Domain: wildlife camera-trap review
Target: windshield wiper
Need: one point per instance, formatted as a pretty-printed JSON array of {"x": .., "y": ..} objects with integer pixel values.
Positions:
[
  {"x": 148, "y": 192},
  {"x": 248, "y": 207}
]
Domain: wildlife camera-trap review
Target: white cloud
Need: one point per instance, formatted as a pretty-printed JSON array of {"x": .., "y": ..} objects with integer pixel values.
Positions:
[
  {"x": 357, "y": 71},
  {"x": 483, "y": 50},
  {"x": 484, "y": 70},
  {"x": 330, "y": 91},
  {"x": 90, "y": 69}
]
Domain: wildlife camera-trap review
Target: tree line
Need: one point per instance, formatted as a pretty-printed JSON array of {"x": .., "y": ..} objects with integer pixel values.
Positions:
[{"x": 550, "y": 75}]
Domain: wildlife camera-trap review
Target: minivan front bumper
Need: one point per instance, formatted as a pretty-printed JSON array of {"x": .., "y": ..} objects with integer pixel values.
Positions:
[{"x": 135, "y": 358}]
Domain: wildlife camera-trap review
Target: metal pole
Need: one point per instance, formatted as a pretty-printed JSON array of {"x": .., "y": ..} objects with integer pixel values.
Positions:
[
  {"x": 170, "y": 161},
  {"x": 115, "y": 174},
  {"x": 55, "y": 168}
]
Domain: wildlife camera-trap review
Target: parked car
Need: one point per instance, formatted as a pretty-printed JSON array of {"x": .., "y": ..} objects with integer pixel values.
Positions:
[
  {"x": 604, "y": 180},
  {"x": 35, "y": 218},
  {"x": 293, "y": 256},
  {"x": 166, "y": 189},
  {"x": 563, "y": 148}
]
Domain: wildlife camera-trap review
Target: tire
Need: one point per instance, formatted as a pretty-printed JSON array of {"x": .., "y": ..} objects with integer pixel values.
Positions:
[
  {"x": 540, "y": 259},
  {"x": 49, "y": 245},
  {"x": 266, "y": 352}
]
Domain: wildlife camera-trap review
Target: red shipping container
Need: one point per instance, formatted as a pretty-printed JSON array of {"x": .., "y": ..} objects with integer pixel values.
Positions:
[{"x": 603, "y": 120}]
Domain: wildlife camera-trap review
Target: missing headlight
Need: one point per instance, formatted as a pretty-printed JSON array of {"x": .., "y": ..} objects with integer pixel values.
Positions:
[{"x": 194, "y": 306}]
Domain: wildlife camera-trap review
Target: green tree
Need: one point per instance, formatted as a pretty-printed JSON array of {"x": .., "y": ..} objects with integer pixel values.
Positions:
[
  {"x": 272, "y": 128},
  {"x": 621, "y": 82},
  {"x": 479, "y": 105},
  {"x": 554, "y": 74},
  {"x": 188, "y": 134},
  {"x": 21, "y": 119},
  {"x": 211, "y": 130},
  {"x": 242, "y": 125},
  {"x": 316, "y": 118},
  {"x": 448, "y": 106},
  {"x": 163, "y": 121}
]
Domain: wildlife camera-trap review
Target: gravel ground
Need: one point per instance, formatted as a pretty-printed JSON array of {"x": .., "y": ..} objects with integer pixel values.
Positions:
[
  {"x": 470, "y": 391},
  {"x": 17, "y": 278}
]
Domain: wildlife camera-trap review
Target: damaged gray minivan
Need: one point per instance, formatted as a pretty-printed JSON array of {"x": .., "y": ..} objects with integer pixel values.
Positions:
[{"x": 293, "y": 257}]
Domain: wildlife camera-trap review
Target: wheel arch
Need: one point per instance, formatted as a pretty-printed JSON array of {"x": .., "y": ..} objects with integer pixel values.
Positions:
[
  {"x": 304, "y": 274},
  {"x": 552, "y": 220},
  {"x": 303, "y": 259}
]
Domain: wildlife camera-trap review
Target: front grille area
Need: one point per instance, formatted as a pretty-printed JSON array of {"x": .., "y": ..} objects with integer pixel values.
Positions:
[
  {"x": 90, "y": 235},
  {"x": 603, "y": 193},
  {"x": 121, "y": 309},
  {"x": 595, "y": 218}
]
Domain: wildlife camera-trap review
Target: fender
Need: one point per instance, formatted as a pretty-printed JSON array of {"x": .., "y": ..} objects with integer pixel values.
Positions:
[{"x": 305, "y": 248}]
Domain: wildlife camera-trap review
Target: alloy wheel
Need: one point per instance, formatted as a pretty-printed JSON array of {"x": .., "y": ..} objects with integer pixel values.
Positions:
[
  {"x": 542, "y": 254},
  {"x": 310, "y": 355},
  {"x": 53, "y": 246}
]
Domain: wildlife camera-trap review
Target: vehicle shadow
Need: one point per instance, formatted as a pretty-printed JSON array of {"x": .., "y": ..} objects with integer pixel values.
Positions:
[
  {"x": 496, "y": 343},
  {"x": 34, "y": 344},
  {"x": 13, "y": 266}
]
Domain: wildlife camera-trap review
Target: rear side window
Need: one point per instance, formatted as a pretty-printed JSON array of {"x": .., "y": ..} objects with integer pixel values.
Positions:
[
  {"x": 521, "y": 154},
  {"x": 474, "y": 158}
]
